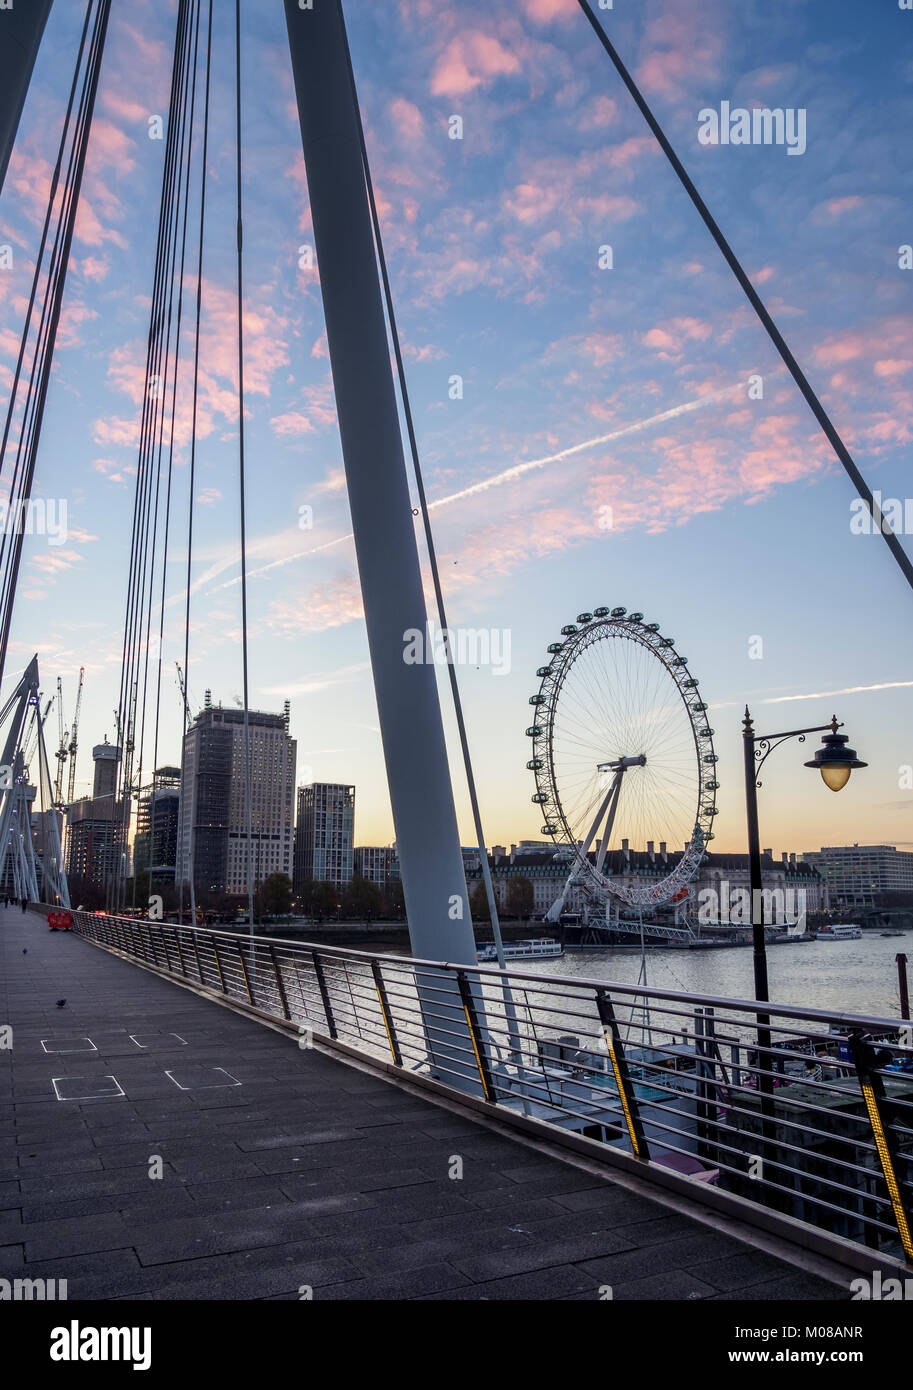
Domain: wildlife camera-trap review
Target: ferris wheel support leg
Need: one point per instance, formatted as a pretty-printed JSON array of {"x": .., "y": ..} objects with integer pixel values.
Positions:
[{"x": 610, "y": 820}]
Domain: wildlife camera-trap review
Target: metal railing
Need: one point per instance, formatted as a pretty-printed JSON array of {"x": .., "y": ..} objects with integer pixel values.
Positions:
[{"x": 809, "y": 1115}]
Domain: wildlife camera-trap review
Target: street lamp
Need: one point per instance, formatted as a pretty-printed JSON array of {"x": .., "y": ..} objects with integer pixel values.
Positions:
[{"x": 834, "y": 760}]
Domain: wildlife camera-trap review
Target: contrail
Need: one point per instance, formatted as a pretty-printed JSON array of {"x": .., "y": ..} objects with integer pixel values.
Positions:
[
  {"x": 517, "y": 471},
  {"x": 818, "y": 695},
  {"x": 520, "y": 468},
  {"x": 826, "y": 694}
]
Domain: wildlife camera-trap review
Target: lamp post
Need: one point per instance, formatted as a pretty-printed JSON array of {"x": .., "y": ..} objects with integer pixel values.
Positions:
[{"x": 835, "y": 761}]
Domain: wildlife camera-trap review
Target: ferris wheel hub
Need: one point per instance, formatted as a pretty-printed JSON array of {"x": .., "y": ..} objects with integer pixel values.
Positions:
[{"x": 621, "y": 763}]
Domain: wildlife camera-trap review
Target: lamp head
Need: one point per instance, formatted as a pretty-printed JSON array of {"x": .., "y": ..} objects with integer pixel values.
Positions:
[{"x": 834, "y": 760}]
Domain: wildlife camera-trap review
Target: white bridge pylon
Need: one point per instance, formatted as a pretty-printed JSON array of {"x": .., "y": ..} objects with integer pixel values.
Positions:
[{"x": 36, "y": 876}]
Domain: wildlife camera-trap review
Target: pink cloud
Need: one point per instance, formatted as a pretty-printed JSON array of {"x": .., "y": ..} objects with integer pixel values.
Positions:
[
  {"x": 94, "y": 268},
  {"x": 836, "y": 207},
  {"x": 125, "y": 107},
  {"x": 599, "y": 114},
  {"x": 547, "y": 11},
  {"x": 109, "y": 146},
  {"x": 670, "y": 337},
  {"x": 292, "y": 423},
  {"x": 408, "y": 120},
  {"x": 892, "y": 366},
  {"x": 684, "y": 51},
  {"x": 471, "y": 60}
]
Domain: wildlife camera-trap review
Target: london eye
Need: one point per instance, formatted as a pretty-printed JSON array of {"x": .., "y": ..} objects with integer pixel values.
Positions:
[{"x": 622, "y": 754}]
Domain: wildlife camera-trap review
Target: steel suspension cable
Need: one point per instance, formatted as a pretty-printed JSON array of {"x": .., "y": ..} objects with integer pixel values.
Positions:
[
  {"x": 193, "y": 441},
  {"x": 167, "y": 509},
  {"x": 152, "y": 419},
  {"x": 779, "y": 342},
  {"x": 247, "y": 798},
  {"x": 50, "y": 319}
]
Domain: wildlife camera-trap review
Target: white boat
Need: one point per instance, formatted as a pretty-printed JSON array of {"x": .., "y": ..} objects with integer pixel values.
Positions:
[
  {"x": 536, "y": 948},
  {"x": 844, "y": 932}
]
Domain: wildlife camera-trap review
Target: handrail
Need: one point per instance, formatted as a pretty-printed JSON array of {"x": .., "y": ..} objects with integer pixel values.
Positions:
[{"x": 582, "y": 981}]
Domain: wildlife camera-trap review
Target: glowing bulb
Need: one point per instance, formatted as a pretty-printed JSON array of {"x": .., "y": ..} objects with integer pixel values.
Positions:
[{"x": 835, "y": 775}]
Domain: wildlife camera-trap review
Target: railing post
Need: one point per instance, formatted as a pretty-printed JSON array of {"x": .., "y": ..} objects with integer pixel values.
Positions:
[
  {"x": 628, "y": 1099},
  {"x": 873, "y": 1093},
  {"x": 475, "y": 1036},
  {"x": 279, "y": 983},
  {"x": 215, "y": 952},
  {"x": 196, "y": 952},
  {"x": 164, "y": 941},
  {"x": 177, "y": 941},
  {"x": 902, "y": 984},
  {"x": 385, "y": 1011},
  {"x": 324, "y": 994},
  {"x": 250, "y": 996}
]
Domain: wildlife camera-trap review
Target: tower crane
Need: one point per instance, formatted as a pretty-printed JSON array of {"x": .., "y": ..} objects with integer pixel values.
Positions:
[
  {"x": 74, "y": 737},
  {"x": 61, "y": 746}
]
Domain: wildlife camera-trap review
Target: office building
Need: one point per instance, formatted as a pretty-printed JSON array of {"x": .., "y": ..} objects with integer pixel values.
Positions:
[
  {"x": 97, "y": 825},
  {"x": 212, "y": 836},
  {"x": 324, "y": 835},
  {"x": 373, "y": 863},
  {"x": 860, "y": 875},
  {"x": 155, "y": 842}
]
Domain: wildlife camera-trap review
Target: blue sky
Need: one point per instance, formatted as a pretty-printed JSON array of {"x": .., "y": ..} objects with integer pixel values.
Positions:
[{"x": 730, "y": 519}]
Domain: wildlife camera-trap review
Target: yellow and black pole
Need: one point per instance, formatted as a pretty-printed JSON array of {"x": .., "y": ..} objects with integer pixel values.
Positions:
[
  {"x": 467, "y": 999},
  {"x": 626, "y": 1095},
  {"x": 867, "y": 1059},
  {"x": 385, "y": 1013}
]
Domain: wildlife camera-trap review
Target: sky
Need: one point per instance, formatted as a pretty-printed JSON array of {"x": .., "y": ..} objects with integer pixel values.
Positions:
[{"x": 606, "y": 448}]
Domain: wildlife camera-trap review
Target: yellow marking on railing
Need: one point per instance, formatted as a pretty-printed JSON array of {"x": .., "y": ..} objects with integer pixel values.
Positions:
[
  {"x": 622, "y": 1092},
  {"x": 383, "y": 1013},
  {"x": 887, "y": 1167},
  {"x": 250, "y": 997},
  {"x": 472, "y": 1038}
]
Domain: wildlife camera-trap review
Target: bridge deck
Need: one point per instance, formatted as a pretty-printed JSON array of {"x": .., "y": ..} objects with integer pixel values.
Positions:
[{"x": 295, "y": 1169}]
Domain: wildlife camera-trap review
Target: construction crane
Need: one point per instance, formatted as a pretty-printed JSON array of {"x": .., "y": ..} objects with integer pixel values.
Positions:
[
  {"x": 181, "y": 688},
  {"x": 74, "y": 737},
  {"x": 61, "y": 746}
]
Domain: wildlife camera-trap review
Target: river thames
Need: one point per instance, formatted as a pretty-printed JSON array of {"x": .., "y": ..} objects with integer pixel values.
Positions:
[{"x": 844, "y": 976}]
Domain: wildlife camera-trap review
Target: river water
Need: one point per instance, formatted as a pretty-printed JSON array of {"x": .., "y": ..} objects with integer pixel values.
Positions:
[{"x": 857, "y": 977}]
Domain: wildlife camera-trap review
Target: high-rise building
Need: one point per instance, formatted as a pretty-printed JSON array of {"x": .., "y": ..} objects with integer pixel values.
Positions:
[
  {"x": 155, "y": 842},
  {"x": 373, "y": 863},
  {"x": 96, "y": 850},
  {"x": 324, "y": 834},
  {"x": 105, "y": 757},
  {"x": 212, "y": 840},
  {"x": 857, "y": 875}
]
